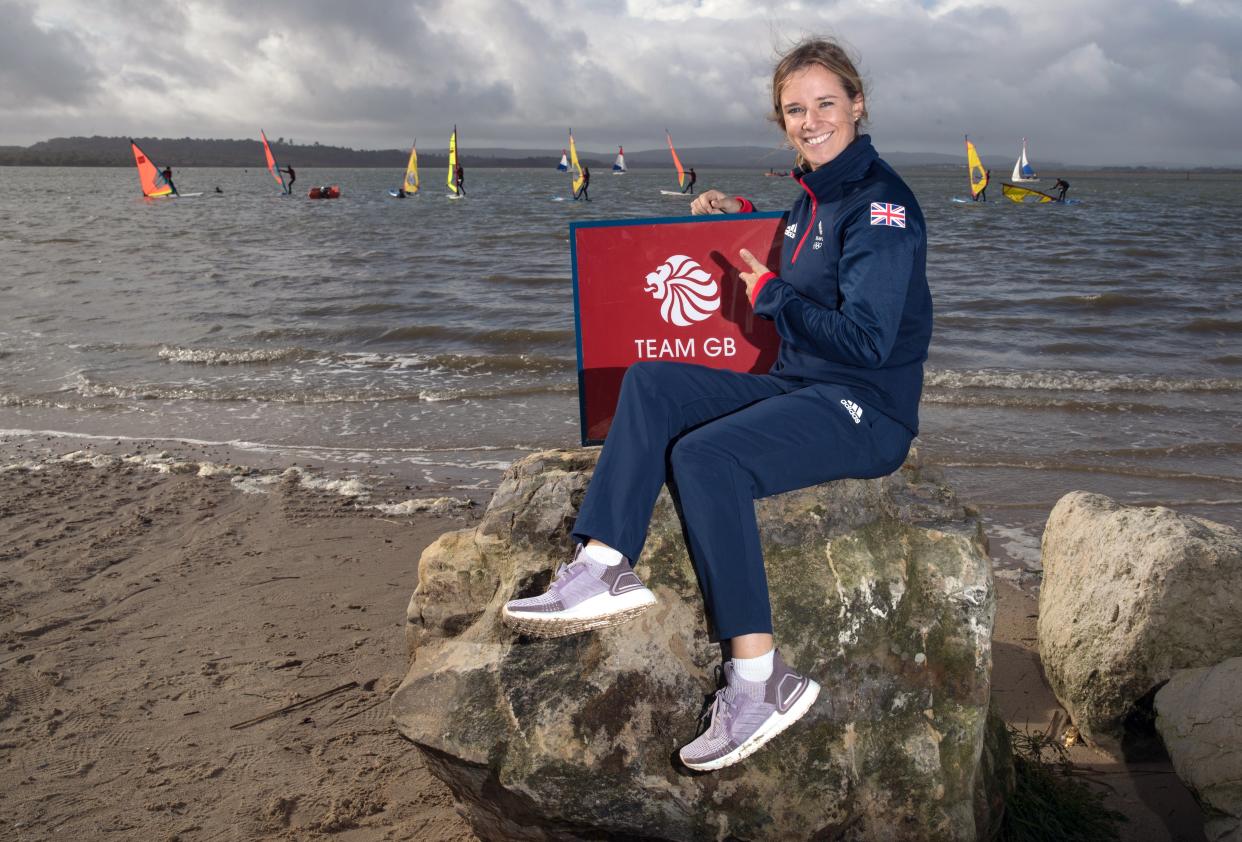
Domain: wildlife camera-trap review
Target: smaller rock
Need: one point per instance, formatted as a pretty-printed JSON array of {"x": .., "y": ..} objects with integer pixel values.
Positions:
[{"x": 1199, "y": 716}]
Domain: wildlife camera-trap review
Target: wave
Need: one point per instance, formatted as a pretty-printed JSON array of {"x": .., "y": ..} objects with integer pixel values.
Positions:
[
  {"x": 1213, "y": 326},
  {"x": 1081, "y": 468},
  {"x": 1075, "y": 381},
  {"x": 505, "y": 337},
  {"x": 240, "y": 394},
  {"x": 230, "y": 356}
]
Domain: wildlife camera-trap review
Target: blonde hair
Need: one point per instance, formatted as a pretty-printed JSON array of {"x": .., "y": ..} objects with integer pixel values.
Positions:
[{"x": 827, "y": 54}]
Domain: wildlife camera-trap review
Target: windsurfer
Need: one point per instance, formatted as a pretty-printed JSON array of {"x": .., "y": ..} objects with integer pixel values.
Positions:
[
  {"x": 459, "y": 179},
  {"x": 841, "y": 401},
  {"x": 400, "y": 192},
  {"x": 1063, "y": 186},
  {"x": 982, "y": 195},
  {"x": 167, "y": 176},
  {"x": 292, "y": 177},
  {"x": 586, "y": 182},
  {"x": 689, "y": 188}
]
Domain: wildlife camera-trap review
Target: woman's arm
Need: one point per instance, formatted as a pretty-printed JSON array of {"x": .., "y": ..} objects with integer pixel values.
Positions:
[
  {"x": 874, "y": 273},
  {"x": 714, "y": 201}
]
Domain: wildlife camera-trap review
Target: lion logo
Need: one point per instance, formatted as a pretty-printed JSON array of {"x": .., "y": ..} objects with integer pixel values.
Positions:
[{"x": 686, "y": 292}]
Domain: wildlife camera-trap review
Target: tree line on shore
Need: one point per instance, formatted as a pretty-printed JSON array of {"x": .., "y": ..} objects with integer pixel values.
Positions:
[{"x": 99, "y": 151}]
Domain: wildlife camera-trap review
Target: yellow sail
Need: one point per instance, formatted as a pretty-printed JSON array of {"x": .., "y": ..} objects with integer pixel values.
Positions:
[
  {"x": 411, "y": 170},
  {"x": 1022, "y": 194},
  {"x": 978, "y": 175},
  {"x": 681, "y": 173},
  {"x": 574, "y": 166},
  {"x": 452, "y": 168}
]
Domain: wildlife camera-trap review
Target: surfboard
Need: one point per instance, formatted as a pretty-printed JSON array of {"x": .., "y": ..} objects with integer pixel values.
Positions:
[
  {"x": 185, "y": 195},
  {"x": 673, "y": 193},
  {"x": 392, "y": 191}
]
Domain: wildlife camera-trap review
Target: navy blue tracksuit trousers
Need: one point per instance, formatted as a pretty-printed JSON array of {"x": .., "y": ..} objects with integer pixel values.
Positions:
[{"x": 722, "y": 439}]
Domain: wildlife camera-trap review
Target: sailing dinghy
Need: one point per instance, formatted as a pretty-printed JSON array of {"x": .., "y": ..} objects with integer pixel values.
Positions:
[
  {"x": 410, "y": 185},
  {"x": 618, "y": 166},
  {"x": 681, "y": 173},
  {"x": 563, "y": 166},
  {"x": 272, "y": 166},
  {"x": 151, "y": 178},
  {"x": 1025, "y": 195},
  {"x": 1022, "y": 169}
]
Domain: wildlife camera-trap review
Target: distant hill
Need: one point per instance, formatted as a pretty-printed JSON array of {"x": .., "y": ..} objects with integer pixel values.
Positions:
[{"x": 101, "y": 151}]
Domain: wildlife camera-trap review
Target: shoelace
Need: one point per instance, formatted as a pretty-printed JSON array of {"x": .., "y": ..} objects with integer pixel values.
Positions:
[
  {"x": 563, "y": 569},
  {"x": 722, "y": 704}
]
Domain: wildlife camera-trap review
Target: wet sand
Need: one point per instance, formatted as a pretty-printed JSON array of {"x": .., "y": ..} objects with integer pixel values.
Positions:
[{"x": 153, "y": 626}]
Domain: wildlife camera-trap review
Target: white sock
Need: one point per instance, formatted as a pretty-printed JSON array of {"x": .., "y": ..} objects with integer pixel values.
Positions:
[
  {"x": 603, "y": 554},
  {"x": 754, "y": 669}
]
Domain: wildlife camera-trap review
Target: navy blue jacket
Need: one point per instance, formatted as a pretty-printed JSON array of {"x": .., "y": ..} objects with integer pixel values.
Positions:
[{"x": 850, "y": 301}]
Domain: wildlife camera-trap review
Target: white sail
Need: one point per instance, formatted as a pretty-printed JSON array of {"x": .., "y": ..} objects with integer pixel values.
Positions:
[{"x": 1022, "y": 169}]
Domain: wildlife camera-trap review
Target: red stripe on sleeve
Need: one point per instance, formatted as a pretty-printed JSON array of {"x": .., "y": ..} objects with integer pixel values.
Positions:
[{"x": 763, "y": 279}]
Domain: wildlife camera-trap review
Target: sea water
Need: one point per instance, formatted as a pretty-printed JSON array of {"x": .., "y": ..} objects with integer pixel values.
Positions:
[{"x": 1092, "y": 346}]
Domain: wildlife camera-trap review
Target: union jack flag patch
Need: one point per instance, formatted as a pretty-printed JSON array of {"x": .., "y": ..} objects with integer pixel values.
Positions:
[{"x": 882, "y": 213}]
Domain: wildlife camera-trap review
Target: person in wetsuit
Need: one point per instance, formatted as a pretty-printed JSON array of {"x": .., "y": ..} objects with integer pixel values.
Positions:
[
  {"x": 292, "y": 178},
  {"x": 459, "y": 180},
  {"x": 1063, "y": 186},
  {"x": 689, "y": 188},
  {"x": 167, "y": 174},
  {"x": 586, "y": 182}
]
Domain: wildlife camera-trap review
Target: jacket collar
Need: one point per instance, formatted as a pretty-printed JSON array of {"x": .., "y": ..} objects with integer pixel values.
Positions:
[{"x": 850, "y": 165}]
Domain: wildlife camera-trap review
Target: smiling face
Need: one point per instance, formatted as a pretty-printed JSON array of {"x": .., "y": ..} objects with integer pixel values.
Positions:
[{"x": 819, "y": 116}]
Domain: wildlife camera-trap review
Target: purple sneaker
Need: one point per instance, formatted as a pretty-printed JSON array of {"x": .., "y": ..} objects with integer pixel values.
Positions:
[
  {"x": 746, "y": 714},
  {"x": 584, "y": 595}
]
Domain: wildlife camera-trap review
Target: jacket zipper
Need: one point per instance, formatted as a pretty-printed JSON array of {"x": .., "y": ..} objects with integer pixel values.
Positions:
[{"x": 810, "y": 225}]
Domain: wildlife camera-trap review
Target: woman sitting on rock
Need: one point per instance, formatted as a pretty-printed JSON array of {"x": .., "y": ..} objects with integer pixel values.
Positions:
[{"x": 851, "y": 305}]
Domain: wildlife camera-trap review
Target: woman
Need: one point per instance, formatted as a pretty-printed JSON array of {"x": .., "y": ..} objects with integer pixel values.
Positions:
[{"x": 852, "y": 308}]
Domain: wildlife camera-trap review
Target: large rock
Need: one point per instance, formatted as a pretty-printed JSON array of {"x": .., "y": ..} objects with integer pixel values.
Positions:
[
  {"x": 1129, "y": 595},
  {"x": 1199, "y": 715},
  {"x": 881, "y": 590}
]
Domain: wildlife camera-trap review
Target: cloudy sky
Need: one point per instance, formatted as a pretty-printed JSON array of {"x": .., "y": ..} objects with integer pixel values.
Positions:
[{"x": 1087, "y": 81}]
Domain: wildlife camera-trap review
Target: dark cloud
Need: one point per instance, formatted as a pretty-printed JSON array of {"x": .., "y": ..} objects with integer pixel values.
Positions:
[
  {"x": 41, "y": 65},
  {"x": 1088, "y": 81}
]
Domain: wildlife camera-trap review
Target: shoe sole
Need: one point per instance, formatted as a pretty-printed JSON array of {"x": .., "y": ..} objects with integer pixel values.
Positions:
[
  {"x": 775, "y": 725},
  {"x": 564, "y": 623}
]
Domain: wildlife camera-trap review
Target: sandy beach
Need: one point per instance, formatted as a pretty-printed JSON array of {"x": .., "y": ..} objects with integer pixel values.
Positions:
[{"x": 186, "y": 660}]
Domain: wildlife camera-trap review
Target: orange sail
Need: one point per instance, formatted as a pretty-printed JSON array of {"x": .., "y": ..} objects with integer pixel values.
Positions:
[
  {"x": 681, "y": 173},
  {"x": 149, "y": 176},
  {"x": 272, "y": 166}
]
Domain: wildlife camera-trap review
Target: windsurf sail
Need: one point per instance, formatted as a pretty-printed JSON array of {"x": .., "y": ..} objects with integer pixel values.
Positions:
[
  {"x": 411, "y": 169},
  {"x": 272, "y": 166},
  {"x": 1025, "y": 195},
  {"x": 563, "y": 166},
  {"x": 1022, "y": 169},
  {"x": 618, "y": 166},
  {"x": 575, "y": 166},
  {"x": 681, "y": 173},
  {"x": 452, "y": 168},
  {"x": 149, "y": 176},
  {"x": 978, "y": 175}
]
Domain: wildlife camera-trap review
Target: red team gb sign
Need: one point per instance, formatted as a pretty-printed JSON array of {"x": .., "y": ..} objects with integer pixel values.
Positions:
[{"x": 665, "y": 289}]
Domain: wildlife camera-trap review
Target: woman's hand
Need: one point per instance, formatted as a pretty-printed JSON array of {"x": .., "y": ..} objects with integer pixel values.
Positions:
[
  {"x": 713, "y": 201},
  {"x": 754, "y": 271}
]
